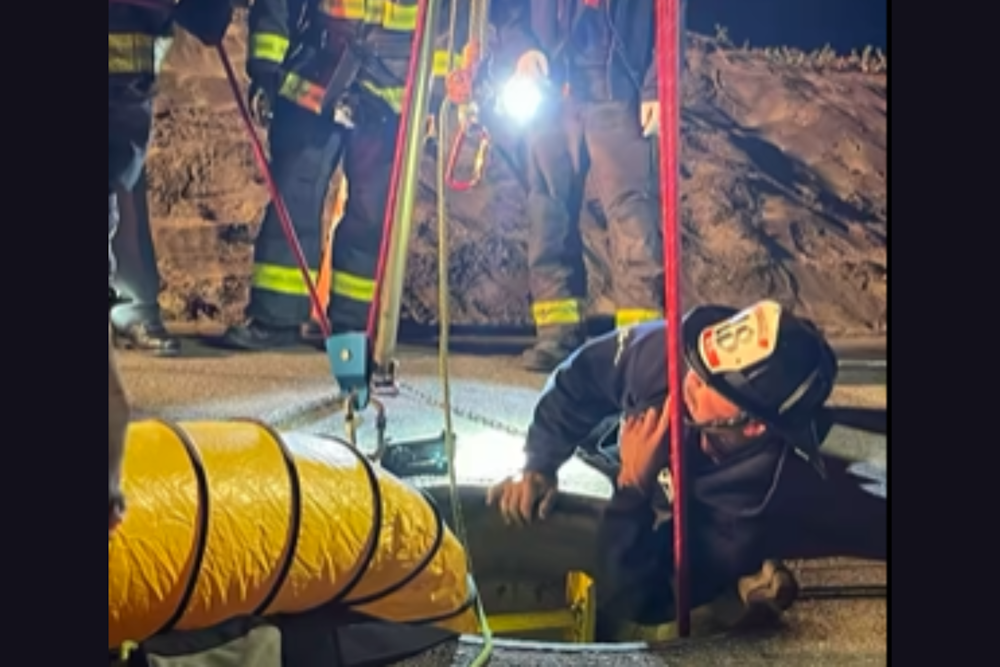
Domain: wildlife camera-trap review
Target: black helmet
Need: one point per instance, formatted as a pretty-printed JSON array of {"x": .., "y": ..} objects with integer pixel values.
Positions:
[{"x": 774, "y": 366}]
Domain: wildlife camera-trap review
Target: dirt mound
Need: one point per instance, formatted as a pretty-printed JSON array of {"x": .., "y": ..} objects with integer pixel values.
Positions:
[{"x": 784, "y": 195}]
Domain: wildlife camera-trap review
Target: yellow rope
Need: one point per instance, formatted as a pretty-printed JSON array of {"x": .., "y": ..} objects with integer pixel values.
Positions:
[{"x": 478, "y": 11}]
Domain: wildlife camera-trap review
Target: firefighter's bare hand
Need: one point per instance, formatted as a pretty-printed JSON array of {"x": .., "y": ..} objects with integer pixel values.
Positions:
[
  {"x": 533, "y": 65},
  {"x": 522, "y": 498}
]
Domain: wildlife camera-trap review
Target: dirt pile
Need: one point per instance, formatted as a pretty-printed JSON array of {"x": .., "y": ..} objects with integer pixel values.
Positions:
[{"x": 784, "y": 195}]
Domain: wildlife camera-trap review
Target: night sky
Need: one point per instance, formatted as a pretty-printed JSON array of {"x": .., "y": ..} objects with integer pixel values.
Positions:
[{"x": 805, "y": 24}]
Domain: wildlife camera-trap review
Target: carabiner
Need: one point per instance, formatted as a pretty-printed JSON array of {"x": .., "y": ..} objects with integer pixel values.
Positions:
[
  {"x": 479, "y": 133},
  {"x": 381, "y": 443},
  {"x": 352, "y": 420}
]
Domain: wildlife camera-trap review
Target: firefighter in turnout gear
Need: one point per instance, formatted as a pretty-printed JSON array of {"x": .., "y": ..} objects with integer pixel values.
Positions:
[
  {"x": 137, "y": 322},
  {"x": 139, "y": 34},
  {"x": 762, "y": 491},
  {"x": 328, "y": 78},
  {"x": 591, "y": 63}
]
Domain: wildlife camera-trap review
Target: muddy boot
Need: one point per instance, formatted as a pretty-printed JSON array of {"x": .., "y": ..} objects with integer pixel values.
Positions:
[
  {"x": 552, "y": 348},
  {"x": 149, "y": 337},
  {"x": 254, "y": 336},
  {"x": 768, "y": 593}
]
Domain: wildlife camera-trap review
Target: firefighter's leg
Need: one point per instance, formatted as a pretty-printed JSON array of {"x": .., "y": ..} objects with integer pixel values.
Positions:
[
  {"x": 622, "y": 168},
  {"x": 129, "y": 124},
  {"x": 137, "y": 322},
  {"x": 812, "y": 518},
  {"x": 305, "y": 150},
  {"x": 358, "y": 239},
  {"x": 555, "y": 259}
]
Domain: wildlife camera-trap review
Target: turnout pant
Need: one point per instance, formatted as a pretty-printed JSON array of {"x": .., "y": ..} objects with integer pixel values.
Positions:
[
  {"x": 305, "y": 151},
  {"x": 604, "y": 140},
  {"x": 137, "y": 277},
  {"x": 806, "y": 517},
  {"x": 129, "y": 125}
]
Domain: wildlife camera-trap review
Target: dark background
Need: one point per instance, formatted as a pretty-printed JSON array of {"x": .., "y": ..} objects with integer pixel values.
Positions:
[{"x": 804, "y": 24}]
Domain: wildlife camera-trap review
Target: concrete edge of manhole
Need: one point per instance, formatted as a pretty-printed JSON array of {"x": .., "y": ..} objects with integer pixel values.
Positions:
[
  {"x": 525, "y": 646},
  {"x": 472, "y": 642},
  {"x": 305, "y": 412}
]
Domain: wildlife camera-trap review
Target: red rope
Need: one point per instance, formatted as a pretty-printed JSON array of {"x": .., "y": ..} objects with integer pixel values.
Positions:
[
  {"x": 668, "y": 26},
  {"x": 272, "y": 187},
  {"x": 262, "y": 163},
  {"x": 276, "y": 199},
  {"x": 397, "y": 167}
]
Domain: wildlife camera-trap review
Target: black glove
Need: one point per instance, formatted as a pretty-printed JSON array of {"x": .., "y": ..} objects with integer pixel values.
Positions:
[
  {"x": 205, "y": 19},
  {"x": 265, "y": 79}
]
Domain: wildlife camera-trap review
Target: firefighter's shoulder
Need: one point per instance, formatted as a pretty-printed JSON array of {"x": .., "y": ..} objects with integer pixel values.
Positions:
[{"x": 640, "y": 359}]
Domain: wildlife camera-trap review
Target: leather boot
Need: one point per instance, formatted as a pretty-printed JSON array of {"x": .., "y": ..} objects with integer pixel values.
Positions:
[
  {"x": 148, "y": 337},
  {"x": 772, "y": 590}
]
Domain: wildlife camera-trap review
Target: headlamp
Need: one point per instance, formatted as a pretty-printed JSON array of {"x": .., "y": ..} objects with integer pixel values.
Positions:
[{"x": 520, "y": 99}]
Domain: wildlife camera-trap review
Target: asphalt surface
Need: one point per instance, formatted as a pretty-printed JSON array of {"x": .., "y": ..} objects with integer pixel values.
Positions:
[{"x": 493, "y": 399}]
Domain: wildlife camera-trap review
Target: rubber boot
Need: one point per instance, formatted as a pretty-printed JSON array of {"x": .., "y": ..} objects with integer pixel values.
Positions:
[{"x": 554, "y": 346}]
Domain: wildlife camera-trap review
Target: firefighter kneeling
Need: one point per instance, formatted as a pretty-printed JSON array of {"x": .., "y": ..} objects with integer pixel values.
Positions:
[{"x": 754, "y": 392}]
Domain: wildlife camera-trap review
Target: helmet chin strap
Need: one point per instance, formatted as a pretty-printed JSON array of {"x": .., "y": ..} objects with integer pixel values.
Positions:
[{"x": 731, "y": 424}]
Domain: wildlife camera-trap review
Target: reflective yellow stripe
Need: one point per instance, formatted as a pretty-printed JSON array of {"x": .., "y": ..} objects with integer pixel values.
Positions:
[
  {"x": 401, "y": 16},
  {"x": 632, "y": 316},
  {"x": 306, "y": 94},
  {"x": 309, "y": 95},
  {"x": 136, "y": 53},
  {"x": 269, "y": 47},
  {"x": 351, "y": 287},
  {"x": 392, "y": 96},
  {"x": 441, "y": 62},
  {"x": 281, "y": 279},
  {"x": 556, "y": 313}
]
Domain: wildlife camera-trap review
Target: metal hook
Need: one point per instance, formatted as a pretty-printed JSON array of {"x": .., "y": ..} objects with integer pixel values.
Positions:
[
  {"x": 352, "y": 421},
  {"x": 381, "y": 424},
  {"x": 470, "y": 128}
]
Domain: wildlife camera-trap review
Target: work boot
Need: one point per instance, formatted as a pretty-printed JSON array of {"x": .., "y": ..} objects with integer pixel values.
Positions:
[
  {"x": 548, "y": 353},
  {"x": 768, "y": 593},
  {"x": 255, "y": 336},
  {"x": 149, "y": 337}
]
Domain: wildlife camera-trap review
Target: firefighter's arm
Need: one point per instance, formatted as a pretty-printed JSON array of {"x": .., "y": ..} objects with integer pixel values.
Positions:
[
  {"x": 650, "y": 84},
  {"x": 512, "y": 21},
  {"x": 207, "y": 20},
  {"x": 597, "y": 382},
  {"x": 271, "y": 23}
]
